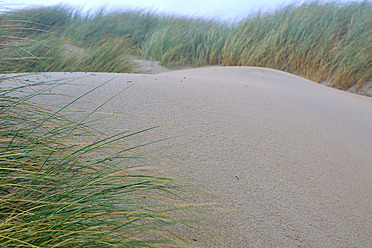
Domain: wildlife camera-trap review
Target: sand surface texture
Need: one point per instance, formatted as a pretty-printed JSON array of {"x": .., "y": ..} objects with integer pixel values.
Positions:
[{"x": 289, "y": 161}]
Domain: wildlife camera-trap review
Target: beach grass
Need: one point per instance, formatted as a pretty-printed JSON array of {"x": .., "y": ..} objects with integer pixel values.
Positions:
[
  {"x": 324, "y": 42},
  {"x": 65, "y": 183}
]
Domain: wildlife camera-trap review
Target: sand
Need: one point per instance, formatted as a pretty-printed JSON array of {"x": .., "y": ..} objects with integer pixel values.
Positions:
[{"x": 288, "y": 160}]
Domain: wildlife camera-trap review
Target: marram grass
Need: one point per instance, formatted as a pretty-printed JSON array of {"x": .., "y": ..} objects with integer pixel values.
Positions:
[
  {"x": 325, "y": 42},
  {"x": 60, "y": 186}
]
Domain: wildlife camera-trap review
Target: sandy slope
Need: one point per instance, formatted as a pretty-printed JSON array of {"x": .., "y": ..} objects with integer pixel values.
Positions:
[{"x": 290, "y": 160}]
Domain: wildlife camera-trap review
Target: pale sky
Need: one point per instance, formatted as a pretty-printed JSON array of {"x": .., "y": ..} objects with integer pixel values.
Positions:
[{"x": 224, "y": 9}]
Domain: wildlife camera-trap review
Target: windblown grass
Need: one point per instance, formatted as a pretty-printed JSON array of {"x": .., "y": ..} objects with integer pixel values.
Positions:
[
  {"x": 325, "y": 42},
  {"x": 60, "y": 186},
  {"x": 322, "y": 42},
  {"x": 47, "y": 52},
  {"x": 186, "y": 41},
  {"x": 31, "y": 40}
]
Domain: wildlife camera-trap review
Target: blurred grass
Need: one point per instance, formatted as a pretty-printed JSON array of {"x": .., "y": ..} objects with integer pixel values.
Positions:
[
  {"x": 186, "y": 41},
  {"x": 324, "y": 42}
]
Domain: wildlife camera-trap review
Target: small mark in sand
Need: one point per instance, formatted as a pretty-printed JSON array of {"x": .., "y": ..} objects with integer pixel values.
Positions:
[{"x": 237, "y": 177}]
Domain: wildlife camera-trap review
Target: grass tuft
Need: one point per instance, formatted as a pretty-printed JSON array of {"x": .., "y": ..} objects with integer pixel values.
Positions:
[{"x": 65, "y": 184}]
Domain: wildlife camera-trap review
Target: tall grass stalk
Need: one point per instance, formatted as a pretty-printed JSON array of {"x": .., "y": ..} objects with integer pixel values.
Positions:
[{"x": 65, "y": 184}]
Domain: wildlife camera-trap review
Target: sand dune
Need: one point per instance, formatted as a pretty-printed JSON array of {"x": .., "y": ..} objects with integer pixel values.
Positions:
[{"x": 288, "y": 159}]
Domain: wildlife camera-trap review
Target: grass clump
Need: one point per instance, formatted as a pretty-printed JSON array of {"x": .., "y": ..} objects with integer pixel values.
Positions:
[
  {"x": 34, "y": 41},
  {"x": 322, "y": 42},
  {"x": 186, "y": 41},
  {"x": 62, "y": 186}
]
